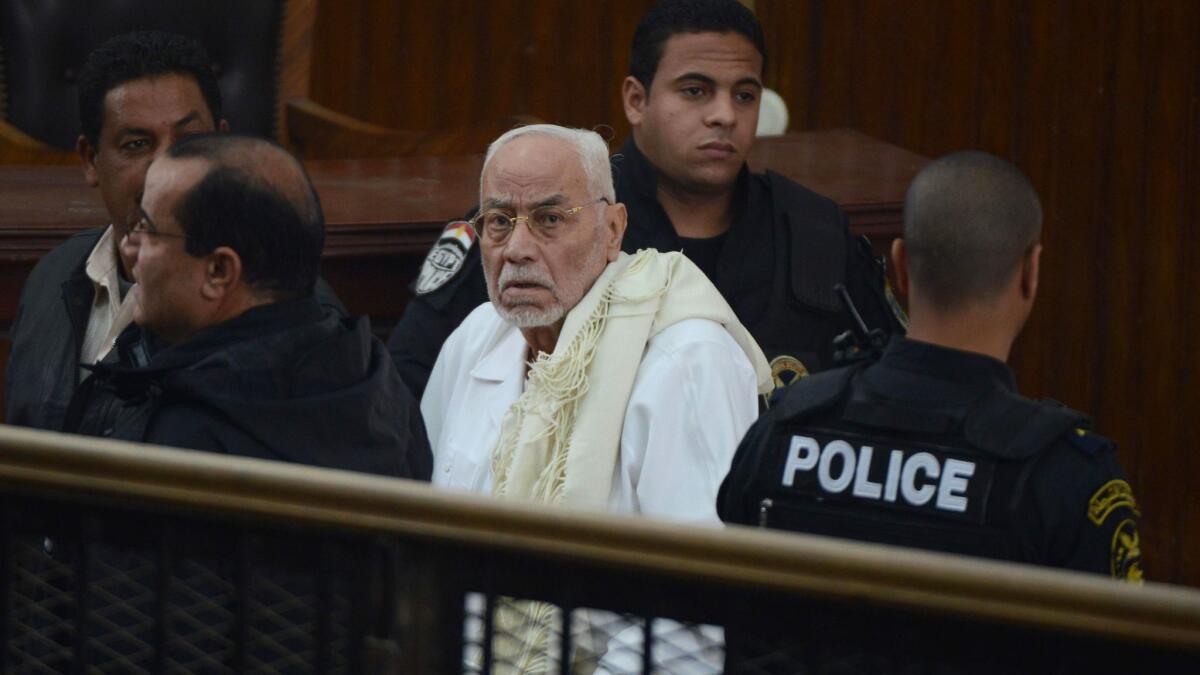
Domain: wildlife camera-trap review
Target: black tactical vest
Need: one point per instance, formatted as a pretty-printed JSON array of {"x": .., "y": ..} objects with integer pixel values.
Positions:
[{"x": 844, "y": 460}]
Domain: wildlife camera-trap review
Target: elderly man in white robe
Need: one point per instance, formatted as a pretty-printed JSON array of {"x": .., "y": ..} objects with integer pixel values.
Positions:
[{"x": 593, "y": 379}]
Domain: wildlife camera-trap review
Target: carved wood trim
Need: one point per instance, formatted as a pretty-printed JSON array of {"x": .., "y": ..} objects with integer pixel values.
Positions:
[{"x": 295, "y": 59}]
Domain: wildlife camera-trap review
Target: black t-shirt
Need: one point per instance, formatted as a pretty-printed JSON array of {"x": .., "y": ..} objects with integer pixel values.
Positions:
[{"x": 704, "y": 252}]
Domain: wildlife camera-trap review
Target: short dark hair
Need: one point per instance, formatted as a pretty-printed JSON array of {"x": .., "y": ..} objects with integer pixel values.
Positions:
[
  {"x": 138, "y": 55},
  {"x": 969, "y": 220},
  {"x": 258, "y": 200},
  {"x": 672, "y": 17}
]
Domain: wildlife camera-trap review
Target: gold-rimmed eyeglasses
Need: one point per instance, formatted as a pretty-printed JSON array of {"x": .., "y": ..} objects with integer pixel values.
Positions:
[
  {"x": 495, "y": 226},
  {"x": 139, "y": 223}
]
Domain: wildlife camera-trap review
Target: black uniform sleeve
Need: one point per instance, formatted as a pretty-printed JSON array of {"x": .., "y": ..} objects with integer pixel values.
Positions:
[
  {"x": 736, "y": 501},
  {"x": 866, "y": 280},
  {"x": 1088, "y": 514},
  {"x": 430, "y": 318},
  {"x": 11, "y": 410}
]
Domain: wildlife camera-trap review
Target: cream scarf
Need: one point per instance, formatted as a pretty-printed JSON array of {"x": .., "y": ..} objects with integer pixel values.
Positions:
[{"x": 560, "y": 441}]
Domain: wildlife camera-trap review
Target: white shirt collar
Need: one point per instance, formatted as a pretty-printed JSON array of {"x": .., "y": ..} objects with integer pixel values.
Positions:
[{"x": 102, "y": 264}]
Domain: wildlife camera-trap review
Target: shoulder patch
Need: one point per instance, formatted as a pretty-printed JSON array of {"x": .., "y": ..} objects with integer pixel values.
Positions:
[
  {"x": 1111, "y": 496},
  {"x": 1086, "y": 441},
  {"x": 1126, "y": 557},
  {"x": 446, "y": 257}
]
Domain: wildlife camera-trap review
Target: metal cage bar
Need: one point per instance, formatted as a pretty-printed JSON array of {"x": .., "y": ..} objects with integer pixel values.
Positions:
[{"x": 226, "y": 549}]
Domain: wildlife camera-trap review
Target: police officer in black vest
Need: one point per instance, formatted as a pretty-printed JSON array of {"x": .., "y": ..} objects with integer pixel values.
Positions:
[{"x": 931, "y": 446}]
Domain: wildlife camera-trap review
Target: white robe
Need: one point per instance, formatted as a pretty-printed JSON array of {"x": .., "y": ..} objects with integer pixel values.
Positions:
[{"x": 693, "y": 399}]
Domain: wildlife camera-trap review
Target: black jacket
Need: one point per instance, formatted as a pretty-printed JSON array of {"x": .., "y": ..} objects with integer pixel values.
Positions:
[
  {"x": 288, "y": 381},
  {"x": 999, "y": 476},
  {"x": 43, "y": 366},
  {"x": 928, "y": 448},
  {"x": 778, "y": 264},
  {"x": 47, "y": 334}
]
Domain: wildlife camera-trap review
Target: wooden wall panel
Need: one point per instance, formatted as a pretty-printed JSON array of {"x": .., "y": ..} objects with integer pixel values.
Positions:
[
  {"x": 1096, "y": 100},
  {"x": 1099, "y": 102},
  {"x": 439, "y": 65}
]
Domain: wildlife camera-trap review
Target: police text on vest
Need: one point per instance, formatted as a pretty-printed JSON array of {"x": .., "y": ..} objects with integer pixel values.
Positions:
[{"x": 916, "y": 478}]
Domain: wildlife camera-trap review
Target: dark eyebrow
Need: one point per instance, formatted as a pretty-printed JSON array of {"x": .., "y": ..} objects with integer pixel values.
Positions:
[
  {"x": 751, "y": 81},
  {"x": 705, "y": 79},
  {"x": 139, "y": 131},
  {"x": 697, "y": 77},
  {"x": 132, "y": 131},
  {"x": 187, "y": 119}
]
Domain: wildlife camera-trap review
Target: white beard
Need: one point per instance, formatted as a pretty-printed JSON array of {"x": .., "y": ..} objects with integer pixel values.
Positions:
[
  {"x": 575, "y": 284},
  {"x": 528, "y": 316}
]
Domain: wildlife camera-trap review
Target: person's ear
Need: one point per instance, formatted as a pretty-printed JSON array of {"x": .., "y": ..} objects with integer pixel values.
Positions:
[
  {"x": 222, "y": 273},
  {"x": 614, "y": 229},
  {"x": 87, "y": 156},
  {"x": 1029, "y": 272},
  {"x": 900, "y": 264},
  {"x": 633, "y": 98}
]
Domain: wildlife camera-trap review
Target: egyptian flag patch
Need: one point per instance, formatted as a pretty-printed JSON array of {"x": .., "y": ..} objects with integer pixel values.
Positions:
[{"x": 446, "y": 257}]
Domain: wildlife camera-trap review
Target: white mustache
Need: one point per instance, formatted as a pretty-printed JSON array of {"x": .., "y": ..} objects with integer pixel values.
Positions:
[{"x": 512, "y": 274}]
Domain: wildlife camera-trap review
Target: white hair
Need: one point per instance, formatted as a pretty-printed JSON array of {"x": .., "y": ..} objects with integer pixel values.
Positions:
[{"x": 592, "y": 150}]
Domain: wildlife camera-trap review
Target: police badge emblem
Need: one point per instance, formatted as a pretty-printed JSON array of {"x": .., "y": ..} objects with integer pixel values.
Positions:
[
  {"x": 446, "y": 257},
  {"x": 785, "y": 370}
]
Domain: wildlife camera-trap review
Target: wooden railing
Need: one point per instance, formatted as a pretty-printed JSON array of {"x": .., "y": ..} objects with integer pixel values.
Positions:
[{"x": 449, "y": 544}]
